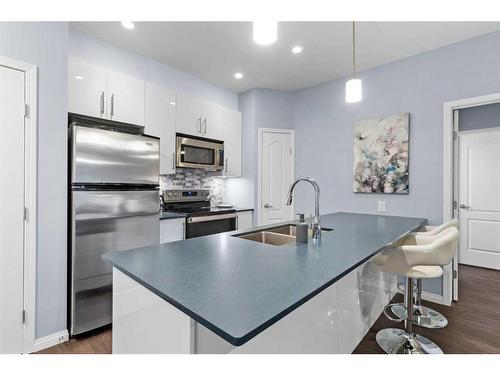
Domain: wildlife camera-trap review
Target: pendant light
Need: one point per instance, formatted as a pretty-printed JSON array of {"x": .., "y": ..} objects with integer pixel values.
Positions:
[
  {"x": 265, "y": 32},
  {"x": 353, "y": 87}
]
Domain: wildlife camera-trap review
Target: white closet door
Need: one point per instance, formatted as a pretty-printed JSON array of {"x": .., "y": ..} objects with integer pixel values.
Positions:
[
  {"x": 277, "y": 175},
  {"x": 12, "y": 208},
  {"x": 125, "y": 98}
]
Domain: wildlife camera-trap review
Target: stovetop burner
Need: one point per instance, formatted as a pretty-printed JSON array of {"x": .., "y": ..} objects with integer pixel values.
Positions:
[{"x": 193, "y": 202}]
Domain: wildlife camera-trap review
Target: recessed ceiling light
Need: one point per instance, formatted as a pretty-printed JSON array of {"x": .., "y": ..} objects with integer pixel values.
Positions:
[
  {"x": 173, "y": 103},
  {"x": 129, "y": 25},
  {"x": 238, "y": 75},
  {"x": 265, "y": 32},
  {"x": 78, "y": 77},
  {"x": 297, "y": 49}
]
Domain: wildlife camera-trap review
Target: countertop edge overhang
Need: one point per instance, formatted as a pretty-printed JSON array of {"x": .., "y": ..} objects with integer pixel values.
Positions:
[{"x": 238, "y": 341}]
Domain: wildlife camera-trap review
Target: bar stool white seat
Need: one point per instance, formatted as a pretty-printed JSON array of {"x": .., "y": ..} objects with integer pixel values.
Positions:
[
  {"x": 424, "y": 316},
  {"x": 415, "y": 262}
]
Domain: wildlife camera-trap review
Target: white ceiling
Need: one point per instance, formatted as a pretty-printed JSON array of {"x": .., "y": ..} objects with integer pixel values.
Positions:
[{"x": 214, "y": 51}]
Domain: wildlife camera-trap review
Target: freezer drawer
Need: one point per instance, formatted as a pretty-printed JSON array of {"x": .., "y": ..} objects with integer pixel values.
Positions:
[
  {"x": 109, "y": 157},
  {"x": 105, "y": 221}
]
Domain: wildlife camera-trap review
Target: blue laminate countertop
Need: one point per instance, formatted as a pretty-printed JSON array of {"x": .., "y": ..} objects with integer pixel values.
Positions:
[
  {"x": 170, "y": 215},
  {"x": 237, "y": 288}
]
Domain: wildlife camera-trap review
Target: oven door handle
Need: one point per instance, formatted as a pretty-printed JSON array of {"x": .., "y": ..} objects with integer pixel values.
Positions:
[{"x": 201, "y": 219}]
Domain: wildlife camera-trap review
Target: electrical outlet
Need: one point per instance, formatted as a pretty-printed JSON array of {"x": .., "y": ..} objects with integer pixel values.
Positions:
[{"x": 381, "y": 206}]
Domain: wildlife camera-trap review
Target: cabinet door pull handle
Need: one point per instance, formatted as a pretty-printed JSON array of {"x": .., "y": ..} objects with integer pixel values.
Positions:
[
  {"x": 199, "y": 131},
  {"x": 225, "y": 166},
  {"x": 101, "y": 103},
  {"x": 205, "y": 132},
  {"x": 173, "y": 161},
  {"x": 112, "y": 104}
]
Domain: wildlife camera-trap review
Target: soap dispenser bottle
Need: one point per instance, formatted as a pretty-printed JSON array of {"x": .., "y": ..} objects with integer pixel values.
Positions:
[{"x": 301, "y": 230}]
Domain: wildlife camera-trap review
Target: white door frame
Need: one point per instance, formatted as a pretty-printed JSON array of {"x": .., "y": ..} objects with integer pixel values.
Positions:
[
  {"x": 30, "y": 193},
  {"x": 448, "y": 170},
  {"x": 260, "y": 132}
]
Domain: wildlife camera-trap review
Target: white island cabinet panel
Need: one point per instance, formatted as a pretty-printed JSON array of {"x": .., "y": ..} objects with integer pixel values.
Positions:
[
  {"x": 172, "y": 230},
  {"x": 125, "y": 98},
  {"x": 232, "y": 142},
  {"x": 334, "y": 321},
  {"x": 87, "y": 86},
  {"x": 245, "y": 219},
  {"x": 143, "y": 323},
  {"x": 160, "y": 122}
]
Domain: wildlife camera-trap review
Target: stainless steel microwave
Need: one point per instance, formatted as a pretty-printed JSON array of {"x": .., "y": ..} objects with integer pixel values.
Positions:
[{"x": 199, "y": 153}]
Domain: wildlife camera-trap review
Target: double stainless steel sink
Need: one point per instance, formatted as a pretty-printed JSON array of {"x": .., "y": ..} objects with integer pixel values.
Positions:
[{"x": 276, "y": 236}]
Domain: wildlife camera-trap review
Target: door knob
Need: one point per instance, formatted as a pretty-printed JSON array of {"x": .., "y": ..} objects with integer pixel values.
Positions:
[
  {"x": 267, "y": 205},
  {"x": 463, "y": 206}
]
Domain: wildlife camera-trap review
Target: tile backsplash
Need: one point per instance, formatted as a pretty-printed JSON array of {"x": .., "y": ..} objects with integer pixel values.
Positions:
[{"x": 197, "y": 179}]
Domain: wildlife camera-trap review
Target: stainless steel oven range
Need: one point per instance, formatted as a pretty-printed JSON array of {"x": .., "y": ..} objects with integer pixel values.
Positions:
[{"x": 201, "y": 218}]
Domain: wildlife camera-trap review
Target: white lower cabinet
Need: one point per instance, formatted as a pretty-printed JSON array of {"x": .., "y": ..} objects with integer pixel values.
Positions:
[
  {"x": 172, "y": 230},
  {"x": 245, "y": 219}
]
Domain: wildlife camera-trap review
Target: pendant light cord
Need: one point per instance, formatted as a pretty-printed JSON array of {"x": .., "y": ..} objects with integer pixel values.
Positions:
[{"x": 353, "y": 50}]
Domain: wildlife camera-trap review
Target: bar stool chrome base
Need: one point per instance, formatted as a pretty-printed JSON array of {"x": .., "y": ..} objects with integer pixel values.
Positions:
[
  {"x": 397, "y": 341},
  {"x": 423, "y": 316}
]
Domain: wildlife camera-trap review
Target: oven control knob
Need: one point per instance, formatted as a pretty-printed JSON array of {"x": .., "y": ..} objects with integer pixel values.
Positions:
[
  {"x": 175, "y": 193},
  {"x": 169, "y": 194}
]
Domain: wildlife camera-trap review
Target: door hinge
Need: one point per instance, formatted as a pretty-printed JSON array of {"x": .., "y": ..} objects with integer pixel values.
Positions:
[
  {"x": 27, "y": 111},
  {"x": 455, "y": 135},
  {"x": 455, "y": 274},
  {"x": 24, "y": 316},
  {"x": 25, "y": 213}
]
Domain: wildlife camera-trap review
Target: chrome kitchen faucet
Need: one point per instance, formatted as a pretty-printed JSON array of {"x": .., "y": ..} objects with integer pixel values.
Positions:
[{"x": 316, "y": 227}]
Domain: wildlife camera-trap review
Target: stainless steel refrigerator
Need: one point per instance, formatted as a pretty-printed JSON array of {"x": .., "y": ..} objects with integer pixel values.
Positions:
[{"x": 113, "y": 206}]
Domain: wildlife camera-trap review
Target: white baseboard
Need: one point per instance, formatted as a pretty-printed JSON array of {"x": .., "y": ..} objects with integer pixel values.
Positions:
[
  {"x": 50, "y": 340},
  {"x": 431, "y": 297}
]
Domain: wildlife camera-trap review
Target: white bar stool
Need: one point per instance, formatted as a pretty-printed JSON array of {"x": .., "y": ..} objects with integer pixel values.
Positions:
[
  {"x": 424, "y": 316},
  {"x": 422, "y": 261}
]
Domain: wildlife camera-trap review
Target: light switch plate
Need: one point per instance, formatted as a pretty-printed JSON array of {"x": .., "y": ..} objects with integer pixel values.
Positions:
[{"x": 381, "y": 206}]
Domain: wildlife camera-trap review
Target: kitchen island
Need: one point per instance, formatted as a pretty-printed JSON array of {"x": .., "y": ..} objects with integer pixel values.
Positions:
[{"x": 225, "y": 294}]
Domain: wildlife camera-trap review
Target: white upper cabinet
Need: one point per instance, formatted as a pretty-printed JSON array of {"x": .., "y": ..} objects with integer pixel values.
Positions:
[
  {"x": 160, "y": 122},
  {"x": 100, "y": 92},
  {"x": 212, "y": 117},
  {"x": 86, "y": 88},
  {"x": 231, "y": 125},
  {"x": 198, "y": 117},
  {"x": 189, "y": 117},
  {"x": 126, "y": 98}
]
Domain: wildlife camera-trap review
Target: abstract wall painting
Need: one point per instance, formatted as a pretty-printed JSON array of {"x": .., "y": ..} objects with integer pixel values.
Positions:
[{"x": 381, "y": 155}]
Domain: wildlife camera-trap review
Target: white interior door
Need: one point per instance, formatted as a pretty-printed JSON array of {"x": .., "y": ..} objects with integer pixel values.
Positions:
[
  {"x": 277, "y": 171},
  {"x": 12, "y": 101},
  {"x": 479, "y": 198}
]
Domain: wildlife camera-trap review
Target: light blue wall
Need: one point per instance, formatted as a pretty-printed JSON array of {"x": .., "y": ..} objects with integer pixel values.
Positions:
[
  {"x": 105, "y": 54},
  {"x": 419, "y": 85},
  {"x": 480, "y": 117},
  {"x": 45, "y": 44},
  {"x": 261, "y": 108}
]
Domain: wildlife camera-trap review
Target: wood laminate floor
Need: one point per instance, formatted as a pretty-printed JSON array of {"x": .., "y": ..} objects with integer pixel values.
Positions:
[{"x": 474, "y": 322}]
